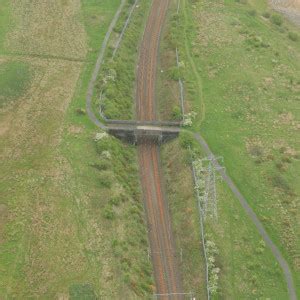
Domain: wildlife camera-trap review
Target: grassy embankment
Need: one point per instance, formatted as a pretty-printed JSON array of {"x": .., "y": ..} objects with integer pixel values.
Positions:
[
  {"x": 219, "y": 43},
  {"x": 116, "y": 83},
  {"x": 62, "y": 231}
]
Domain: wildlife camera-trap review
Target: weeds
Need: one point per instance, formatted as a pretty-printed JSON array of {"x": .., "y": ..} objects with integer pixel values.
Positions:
[
  {"x": 277, "y": 19},
  {"x": 293, "y": 36},
  {"x": 116, "y": 81}
]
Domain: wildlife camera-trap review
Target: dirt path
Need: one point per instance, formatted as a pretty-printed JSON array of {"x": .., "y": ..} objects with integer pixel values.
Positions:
[
  {"x": 168, "y": 283},
  {"x": 276, "y": 252}
]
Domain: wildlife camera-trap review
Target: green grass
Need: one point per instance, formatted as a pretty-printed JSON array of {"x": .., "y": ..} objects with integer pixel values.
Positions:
[
  {"x": 247, "y": 268},
  {"x": 242, "y": 81},
  {"x": 15, "y": 78},
  {"x": 114, "y": 195},
  {"x": 168, "y": 74},
  {"x": 185, "y": 225},
  {"x": 4, "y": 21},
  {"x": 75, "y": 222},
  {"x": 242, "y": 78}
]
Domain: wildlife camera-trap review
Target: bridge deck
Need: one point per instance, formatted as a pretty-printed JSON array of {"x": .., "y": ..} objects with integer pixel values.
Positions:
[
  {"x": 141, "y": 128},
  {"x": 133, "y": 133}
]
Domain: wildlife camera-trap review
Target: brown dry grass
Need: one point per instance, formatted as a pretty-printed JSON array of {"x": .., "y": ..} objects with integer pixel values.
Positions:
[
  {"x": 35, "y": 176},
  {"x": 47, "y": 28}
]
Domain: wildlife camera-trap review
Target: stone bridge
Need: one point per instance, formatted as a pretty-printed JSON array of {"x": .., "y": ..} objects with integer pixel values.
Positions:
[{"x": 135, "y": 132}]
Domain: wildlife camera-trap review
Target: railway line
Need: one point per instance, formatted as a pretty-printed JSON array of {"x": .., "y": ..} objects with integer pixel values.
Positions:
[
  {"x": 163, "y": 254},
  {"x": 166, "y": 272}
]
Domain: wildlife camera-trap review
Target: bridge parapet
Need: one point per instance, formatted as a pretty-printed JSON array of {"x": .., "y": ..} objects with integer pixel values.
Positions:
[{"x": 147, "y": 123}]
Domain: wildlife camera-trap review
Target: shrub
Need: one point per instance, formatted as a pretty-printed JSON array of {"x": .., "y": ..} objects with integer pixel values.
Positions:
[
  {"x": 277, "y": 20},
  {"x": 252, "y": 12},
  {"x": 279, "y": 182},
  {"x": 102, "y": 165},
  {"x": 80, "y": 111},
  {"x": 281, "y": 167},
  {"x": 293, "y": 36},
  {"x": 186, "y": 140},
  {"x": 108, "y": 213},
  {"x": 106, "y": 180},
  {"x": 176, "y": 113},
  {"x": 266, "y": 15},
  {"x": 173, "y": 73}
]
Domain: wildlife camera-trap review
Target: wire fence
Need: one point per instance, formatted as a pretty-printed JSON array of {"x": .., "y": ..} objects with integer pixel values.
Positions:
[
  {"x": 181, "y": 89},
  {"x": 202, "y": 230},
  {"x": 116, "y": 48},
  {"x": 124, "y": 28},
  {"x": 189, "y": 296},
  {"x": 180, "y": 81}
]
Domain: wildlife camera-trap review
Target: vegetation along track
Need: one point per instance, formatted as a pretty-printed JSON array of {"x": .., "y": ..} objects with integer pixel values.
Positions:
[
  {"x": 163, "y": 253},
  {"x": 168, "y": 284}
]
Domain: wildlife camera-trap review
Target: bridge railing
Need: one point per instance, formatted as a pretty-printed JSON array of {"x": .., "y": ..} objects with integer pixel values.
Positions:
[{"x": 138, "y": 122}]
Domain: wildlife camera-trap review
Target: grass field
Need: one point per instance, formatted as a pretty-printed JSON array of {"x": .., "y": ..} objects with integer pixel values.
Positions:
[
  {"x": 62, "y": 231},
  {"x": 71, "y": 216},
  {"x": 247, "y": 268},
  {"x": 242, "y": 79},
  {"x": 15, "y": 78}
]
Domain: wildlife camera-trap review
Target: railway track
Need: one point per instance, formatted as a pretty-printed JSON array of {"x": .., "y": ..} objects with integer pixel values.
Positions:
[{"x": 166, "y": 273}]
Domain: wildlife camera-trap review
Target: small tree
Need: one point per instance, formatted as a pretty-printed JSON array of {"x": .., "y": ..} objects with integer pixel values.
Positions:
[
  {"x": 277, "y": 20},
  {"x": 176, "y": 113}
]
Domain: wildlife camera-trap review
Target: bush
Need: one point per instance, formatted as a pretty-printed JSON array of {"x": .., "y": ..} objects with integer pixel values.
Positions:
[
  {"x": 293, "y": 36},
  {"x": 108, "y": 213},
  {"x": 80, "y": 111},
  {"x": 252, "y": 12},
  {"x": 106, "y": 180},
  {"x": 102, "y": 165},
  {"x": 266, "y": 15},
  {"x": 176, "y": 113},
  {"x": 277, "y": 20},
  {"x": 279, "y": 182},
  {"x": 173, "y": 73},
  {"x": 186, "y": 140}
]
